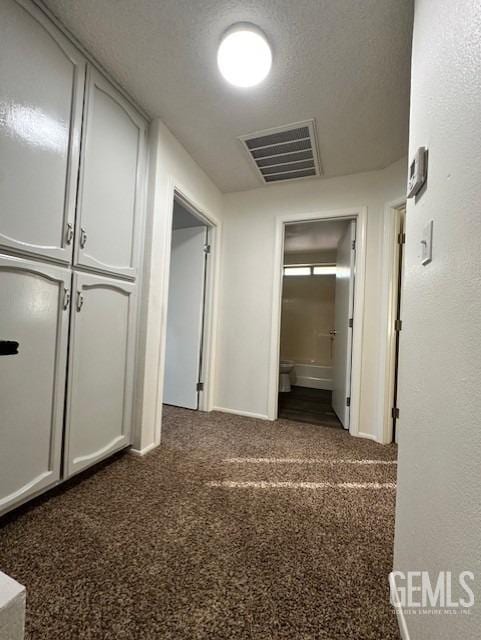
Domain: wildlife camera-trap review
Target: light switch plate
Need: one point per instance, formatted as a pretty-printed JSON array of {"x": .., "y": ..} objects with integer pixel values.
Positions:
[{"x": 427, "y": 244}]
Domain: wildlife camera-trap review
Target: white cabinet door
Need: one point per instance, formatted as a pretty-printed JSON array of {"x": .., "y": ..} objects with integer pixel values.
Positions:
[
  {"x": 41, "y": 92},
  {"x": 108, "y": 221},
  {"x": 32, "y": 382},
  {"x": 100, "y": 370}
]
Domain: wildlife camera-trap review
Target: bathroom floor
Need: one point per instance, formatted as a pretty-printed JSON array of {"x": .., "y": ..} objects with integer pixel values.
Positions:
[{"x": 308, "y": 405}]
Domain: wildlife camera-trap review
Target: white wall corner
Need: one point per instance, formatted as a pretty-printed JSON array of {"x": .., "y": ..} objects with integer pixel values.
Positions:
[
  {"x": 403, "y": 628},
  {"x": 12, "y": 609}
]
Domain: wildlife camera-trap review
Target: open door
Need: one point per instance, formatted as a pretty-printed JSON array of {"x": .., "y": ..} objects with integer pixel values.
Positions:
[
  {"x": 344, "y": 306},
  {"x": 185, "y": 316}
]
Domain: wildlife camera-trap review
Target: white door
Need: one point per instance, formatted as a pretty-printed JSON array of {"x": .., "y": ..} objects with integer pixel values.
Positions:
[
  {"x": 185, "y": 317},
  {"x": 33, "y": 302},
  {"x": 41, "y": 94},
  {"x": 109, "y": 222},
  {"x": 344, "y": 307},
  {"x": 100, "y": 382}
]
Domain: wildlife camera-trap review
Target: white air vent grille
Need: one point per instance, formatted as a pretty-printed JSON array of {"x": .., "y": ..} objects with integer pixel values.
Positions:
[{"x": 284, "y": 153}]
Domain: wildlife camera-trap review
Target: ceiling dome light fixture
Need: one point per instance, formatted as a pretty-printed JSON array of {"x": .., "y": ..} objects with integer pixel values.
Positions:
[{"x": 244, "y": 56}]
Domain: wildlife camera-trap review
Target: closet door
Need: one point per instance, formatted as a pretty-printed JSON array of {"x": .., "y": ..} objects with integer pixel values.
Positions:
[
  {"x": 33, "y": 302},
  {"x": 41, "y": 93},
  {"x": 108, "y": 222},
  {"x": 100, "y": 370}
]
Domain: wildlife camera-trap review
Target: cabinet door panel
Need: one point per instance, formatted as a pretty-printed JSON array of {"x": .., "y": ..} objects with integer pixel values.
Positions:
[
  {"x": 100, "y": 378},
  {"x": 42, "y": 79},
  {"x": 32, "y": 382},
  {"x": 111, "y": 167}
]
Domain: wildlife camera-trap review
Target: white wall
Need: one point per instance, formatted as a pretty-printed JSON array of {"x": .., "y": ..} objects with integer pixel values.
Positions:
[
  {"x": 438, "y": 524},
  {"x": 12, "y": 609},
  {"x": 170, "y": 167},
  {"x": 244, "y": 335}
]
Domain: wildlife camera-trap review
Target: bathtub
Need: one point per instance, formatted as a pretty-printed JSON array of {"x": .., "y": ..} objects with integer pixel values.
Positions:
[{"x": 313, "y": 375}]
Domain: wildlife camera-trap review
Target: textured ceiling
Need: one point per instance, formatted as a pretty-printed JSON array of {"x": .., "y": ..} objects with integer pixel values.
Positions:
[
  {"x": 321, "y": 235},
  {"x": 344, "y": 62}
]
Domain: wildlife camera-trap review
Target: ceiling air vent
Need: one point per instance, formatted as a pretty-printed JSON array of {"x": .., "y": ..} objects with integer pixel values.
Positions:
[{"x": 284, "y": 153}]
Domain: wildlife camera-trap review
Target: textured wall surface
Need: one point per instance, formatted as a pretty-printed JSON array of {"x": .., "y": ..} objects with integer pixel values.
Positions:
[
  {"x": 170, "y": 165},
  {"x": 439, "y": 504},
  {"x": 12, "y": 609},
  {"x": 343, "y": 62},
  {"x": 248, "y": 273},
  {"x": 307, "y": 316}
]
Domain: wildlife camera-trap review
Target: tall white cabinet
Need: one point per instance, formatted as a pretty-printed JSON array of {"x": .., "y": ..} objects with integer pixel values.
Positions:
[{"x": 72, "y": 157}]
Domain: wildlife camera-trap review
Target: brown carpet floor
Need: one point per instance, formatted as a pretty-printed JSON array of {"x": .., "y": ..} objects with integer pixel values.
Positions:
[{"x": 169, "y": 546}]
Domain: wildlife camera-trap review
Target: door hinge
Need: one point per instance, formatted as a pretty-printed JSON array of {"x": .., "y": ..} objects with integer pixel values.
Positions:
[
  {"x": 395, "y": 412},
  {"x": 354, "y": 245},
  {"x": 348, "y": 401},
  {"x": 401, "y": 239},
  {"x": 351, "y": 323},
  {"x": 398, "y": 325},
  {"x": 207, "y": 248},
  {"x": 200, "y": 386}
]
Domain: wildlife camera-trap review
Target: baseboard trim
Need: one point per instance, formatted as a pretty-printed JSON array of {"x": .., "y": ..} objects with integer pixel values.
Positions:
[
  {"x": 401, "y": 620},
  {"x": 144, "y": 451},
  {"x": 239, "y": 412},
  {"x": 366, "y": 436}
]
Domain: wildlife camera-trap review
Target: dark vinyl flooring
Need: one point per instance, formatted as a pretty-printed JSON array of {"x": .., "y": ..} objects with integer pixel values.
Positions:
[{"x": 308, "y": 405}]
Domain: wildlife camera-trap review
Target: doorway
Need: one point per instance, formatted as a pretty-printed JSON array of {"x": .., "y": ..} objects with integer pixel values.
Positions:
[
  {"x": 186, "y": 307},
  {"x": 317, "y": 321}
]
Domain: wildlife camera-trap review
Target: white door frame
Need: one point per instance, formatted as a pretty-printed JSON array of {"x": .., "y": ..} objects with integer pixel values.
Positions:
[
  {"x": 360, "y": 215},
  {"x": 181, "y": 193},
  {"x": 389, "y": 293}
]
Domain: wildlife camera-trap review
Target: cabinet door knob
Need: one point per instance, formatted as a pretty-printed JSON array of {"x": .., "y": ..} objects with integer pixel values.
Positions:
[
  {"x": 69, "y": 233},
  {"x": 83, "y": 238},
  {"x": 66, "y": 299},
  {"x": 80, "y": 300}
]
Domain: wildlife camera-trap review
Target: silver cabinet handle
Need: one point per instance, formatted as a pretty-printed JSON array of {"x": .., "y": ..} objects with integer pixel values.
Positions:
[
  {"x": 69, "y": 233},
  {"x": 332, "y": 332},
  {"x": 80, "y": 300},
  {"x": 83, "y": 238},
  {"x": 66, "y": 299}
]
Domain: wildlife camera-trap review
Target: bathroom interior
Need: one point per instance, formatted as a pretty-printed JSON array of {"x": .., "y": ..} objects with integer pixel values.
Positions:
[{"x": 310, "y": 320}]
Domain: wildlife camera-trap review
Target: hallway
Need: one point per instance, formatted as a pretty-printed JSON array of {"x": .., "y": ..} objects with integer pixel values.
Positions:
[{"x": 211, "y": 536}]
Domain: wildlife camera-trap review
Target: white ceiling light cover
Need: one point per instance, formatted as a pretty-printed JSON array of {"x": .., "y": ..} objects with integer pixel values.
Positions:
[{"x": 244, "y": 56}]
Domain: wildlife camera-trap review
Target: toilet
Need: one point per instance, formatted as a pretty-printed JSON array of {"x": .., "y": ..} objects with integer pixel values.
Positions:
[{"x": 285, "y": 368}]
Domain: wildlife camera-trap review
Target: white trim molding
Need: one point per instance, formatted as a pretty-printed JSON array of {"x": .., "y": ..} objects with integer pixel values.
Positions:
[
  {"x": 239, "y": 412},
  {"x": 142, "y": 452},
  {"x": 387, "y": 334},
  {"x": 360, "y": 215}
]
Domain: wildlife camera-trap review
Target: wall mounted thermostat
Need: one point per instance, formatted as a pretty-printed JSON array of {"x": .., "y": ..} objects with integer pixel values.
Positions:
[{"x": 417, "y": 171}]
